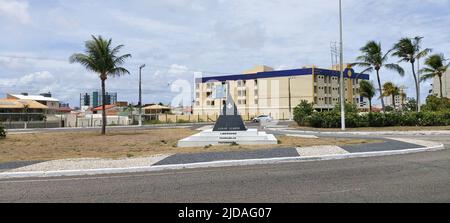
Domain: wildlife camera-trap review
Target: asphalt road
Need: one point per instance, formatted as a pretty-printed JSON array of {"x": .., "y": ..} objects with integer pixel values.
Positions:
[{"x": 421, "y": 177}]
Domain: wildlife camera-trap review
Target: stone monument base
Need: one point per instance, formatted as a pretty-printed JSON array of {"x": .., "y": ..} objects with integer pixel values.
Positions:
[{"x": 210, "y": 137}]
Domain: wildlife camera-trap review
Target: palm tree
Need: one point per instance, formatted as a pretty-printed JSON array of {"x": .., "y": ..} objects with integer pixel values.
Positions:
[
  {"x": 435, "y": 67},
  {"x": 367, "y": 90},
  {"x": 389, "y": 89},
  {"x": 409, "y": 50},
  {"x": 102, "y": 58},
  {"x": 372, "y": 58}
]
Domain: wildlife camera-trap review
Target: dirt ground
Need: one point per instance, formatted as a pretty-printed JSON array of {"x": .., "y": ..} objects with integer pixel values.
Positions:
[{"x": 51, "y": 146}]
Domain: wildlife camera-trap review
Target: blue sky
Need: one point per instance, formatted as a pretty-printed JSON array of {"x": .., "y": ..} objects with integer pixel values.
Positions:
[{"x": 176, "y": 38}]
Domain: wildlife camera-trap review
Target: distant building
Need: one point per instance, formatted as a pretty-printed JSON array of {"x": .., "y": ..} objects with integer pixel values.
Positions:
[
  {"x": 95, "y": 99},
  {"x": 445, "y": 86},
  {"x": 45, "y": 99},
  {"x": 400, "y": 100},
  {"x": 17, "y": 109},
  {"x": 263, "y": 91}
]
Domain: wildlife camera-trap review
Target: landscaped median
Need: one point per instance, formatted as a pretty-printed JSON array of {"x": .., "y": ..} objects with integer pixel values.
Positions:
[
  {"x": 242, "y": 157},
  {"x": 130, "y": 144}
]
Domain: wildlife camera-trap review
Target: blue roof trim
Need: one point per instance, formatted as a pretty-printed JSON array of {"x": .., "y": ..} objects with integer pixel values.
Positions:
[
  {"x": 283, "y": 73},
  {"x": 334, "y": 73}
]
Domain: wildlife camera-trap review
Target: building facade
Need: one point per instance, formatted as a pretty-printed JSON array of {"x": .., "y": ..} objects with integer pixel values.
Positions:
[
  {"x": 263, "y": 91},
  {"x": 95, "y": 99},
  {"x": 44, "y": 99},
  {"x": 445, "y": 86}
]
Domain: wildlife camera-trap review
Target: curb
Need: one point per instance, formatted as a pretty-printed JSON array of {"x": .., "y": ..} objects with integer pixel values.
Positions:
[
  {"x": 227, "y": 163},
  {"x": 401, "y": 133}
]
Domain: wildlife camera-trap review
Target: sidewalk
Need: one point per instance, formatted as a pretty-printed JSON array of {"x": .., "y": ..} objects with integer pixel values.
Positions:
[{"x": 80, "y": 167}]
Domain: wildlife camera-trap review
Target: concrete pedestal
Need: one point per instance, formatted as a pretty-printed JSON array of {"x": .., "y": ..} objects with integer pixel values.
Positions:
[{"x": 210, "y": 137}]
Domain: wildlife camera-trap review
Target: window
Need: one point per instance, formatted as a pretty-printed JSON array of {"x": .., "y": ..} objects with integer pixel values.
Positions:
[
  {"x": 256, "y": 101},
  {"x": 197, "y": 95},
  {"x": 197, "y": 103},
  {"x": 197, "y": 86}
]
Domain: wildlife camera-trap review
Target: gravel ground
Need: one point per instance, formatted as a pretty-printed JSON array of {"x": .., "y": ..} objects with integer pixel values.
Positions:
[
  {"x": 321, "y": 151},
  {"x": 76, "y": 164}
]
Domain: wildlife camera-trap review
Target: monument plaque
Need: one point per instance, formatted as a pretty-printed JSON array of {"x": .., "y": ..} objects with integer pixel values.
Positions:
[
  {"x": 229, "y": 129},
  {"x": 229, "y": 119}
]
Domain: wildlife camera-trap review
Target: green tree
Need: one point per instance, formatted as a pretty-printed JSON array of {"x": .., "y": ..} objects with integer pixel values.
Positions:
[
  {"x": 2, "y": 132},
  {"x": 302, "y": 112},
  {"x": 436, "y": 104},
  {"x": 435, "y": 67},
  {"x": 410, "y": 50},
  {"x": 373, "y": 59},
  {"x": 411, "y": 105},
  {"x": 102, "y": 58},
  {"x": 367, "y": 90},
  {"x": 390, "y": 89}
]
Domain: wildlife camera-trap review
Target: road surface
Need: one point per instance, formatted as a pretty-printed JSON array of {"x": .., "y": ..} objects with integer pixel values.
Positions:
[{"x": 421, "y": 177}]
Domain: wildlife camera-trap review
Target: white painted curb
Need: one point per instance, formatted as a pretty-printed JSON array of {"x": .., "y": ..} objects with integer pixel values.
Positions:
[
  {"x": 227, "y": 163},
  {"x": 391, "y": 133}
]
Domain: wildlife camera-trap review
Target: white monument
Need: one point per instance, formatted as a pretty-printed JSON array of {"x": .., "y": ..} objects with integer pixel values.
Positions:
[{"x": 229, "y": 129}]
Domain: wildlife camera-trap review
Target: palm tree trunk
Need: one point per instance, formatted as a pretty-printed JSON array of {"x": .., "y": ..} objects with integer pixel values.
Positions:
[
  {"x": 440, "y": 85},
  {"x": 381, "y": 91},
  {"x": 103, "y": 108},
  {"x": 393, "y": 101},
  {"x": 417, "y": 88},
  {"x": 370, "y": 105}
]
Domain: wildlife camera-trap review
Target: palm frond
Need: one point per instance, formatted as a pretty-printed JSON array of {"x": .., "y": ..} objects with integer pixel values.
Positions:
[{"x": 397, "y": 68}]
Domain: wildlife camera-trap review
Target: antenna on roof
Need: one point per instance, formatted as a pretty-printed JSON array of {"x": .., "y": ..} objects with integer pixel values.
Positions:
[{"x": 334, "y": 54}]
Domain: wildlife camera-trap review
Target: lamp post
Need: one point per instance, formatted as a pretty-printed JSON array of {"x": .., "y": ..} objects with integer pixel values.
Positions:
[
  {"x": 341, "y": 68},
  {"x": 140, "y": 94}
]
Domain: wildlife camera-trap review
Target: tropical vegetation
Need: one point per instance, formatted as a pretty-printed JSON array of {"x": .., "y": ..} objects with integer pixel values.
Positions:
[
  {"x": 373, "y": 59},
  {"x": 104, "y": 59},
  {"x": 410, "y": 50},
  {"x": 435, "y": 68}
]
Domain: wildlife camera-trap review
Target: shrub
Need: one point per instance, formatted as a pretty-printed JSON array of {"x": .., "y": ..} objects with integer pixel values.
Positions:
[
  {"x": 376, "y": 119},
  {"x": 436, "y": 104},
  {"x": 302, "y": 112},
  {"x": 2, "y": 132}
]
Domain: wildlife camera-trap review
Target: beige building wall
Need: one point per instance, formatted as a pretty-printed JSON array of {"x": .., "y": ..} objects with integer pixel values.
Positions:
[
  {"x": 270, "y": 96},
  {"x": 445, "y": 85}
]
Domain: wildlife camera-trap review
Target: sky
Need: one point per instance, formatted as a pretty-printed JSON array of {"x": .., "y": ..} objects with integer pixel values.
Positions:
[{"x": 177, "y": 39}]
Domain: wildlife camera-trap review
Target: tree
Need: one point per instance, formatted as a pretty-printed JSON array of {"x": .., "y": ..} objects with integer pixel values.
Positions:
[
  {"x": 389, "y": 89},
  {"x": 302, "y": 111},
  {"x": 409, "y": 50},
  {"x": 411, "y": 105},
  {"x": 373, "y": 58},
  {"x": 436, "y": 104},
  {"x": 100, "y": 57},
  {"x": 435, "y": 67},
  {"x": 367, "y": 90}
]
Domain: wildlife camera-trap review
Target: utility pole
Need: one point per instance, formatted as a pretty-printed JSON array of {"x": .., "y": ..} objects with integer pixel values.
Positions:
[
  {"x": 140, "y": 94},
  {"x": 341, "y": 68}
]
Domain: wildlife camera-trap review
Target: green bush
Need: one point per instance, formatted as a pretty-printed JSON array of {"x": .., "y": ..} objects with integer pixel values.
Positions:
[
  {"x": 302, "y": 112},
  {"x": 2, "y": 132},
  {"x": 436, "y": 104}
]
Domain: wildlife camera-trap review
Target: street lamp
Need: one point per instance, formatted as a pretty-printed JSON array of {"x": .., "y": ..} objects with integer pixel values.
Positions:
[
  {"x": 341, "y": 68},
  {"x": 140, "y": 94}
]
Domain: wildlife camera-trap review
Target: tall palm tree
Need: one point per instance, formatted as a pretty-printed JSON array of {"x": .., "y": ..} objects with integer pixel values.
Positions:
[
  {"x": 410, "y": 50},
  {"x": 367, "y": 90},
  {"x": 390, "y": 89},
  {"x": 102, "y": 58},
  {"x": 373, "y": 58},
  {"x": 435, "y": 67}
]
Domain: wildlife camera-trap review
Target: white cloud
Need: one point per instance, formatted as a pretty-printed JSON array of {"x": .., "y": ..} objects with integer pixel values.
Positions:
[{"x": 15, "y": 9}]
